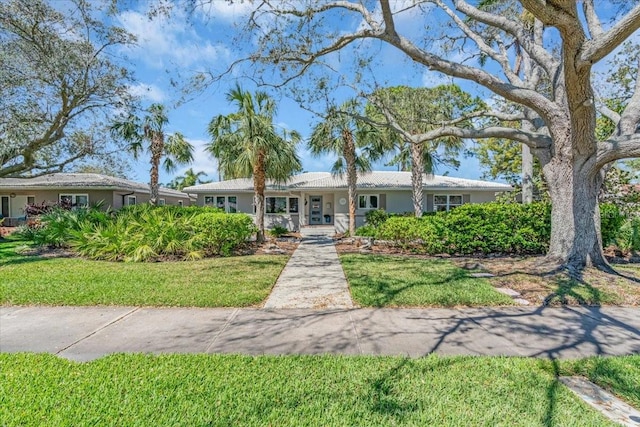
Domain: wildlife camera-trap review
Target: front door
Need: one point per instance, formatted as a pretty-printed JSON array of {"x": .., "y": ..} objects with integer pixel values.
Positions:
[
  {"x": 315, "y": 210},
  {"x": 4, "y": 203}
]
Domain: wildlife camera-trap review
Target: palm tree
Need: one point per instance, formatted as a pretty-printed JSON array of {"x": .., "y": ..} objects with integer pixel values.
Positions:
[
  {"x": 246, "y": 144},
  {"x": 173, "y": 148},
  {"x": 187, "y": 180},
  {"x": 341, "y": 133}
]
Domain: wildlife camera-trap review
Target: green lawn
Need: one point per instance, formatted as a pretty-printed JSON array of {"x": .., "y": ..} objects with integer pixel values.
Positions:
[
  {"x": 396, "y": 281},
  {"x": 218, "y": 282},
  {"x": 211, "y": 390}
]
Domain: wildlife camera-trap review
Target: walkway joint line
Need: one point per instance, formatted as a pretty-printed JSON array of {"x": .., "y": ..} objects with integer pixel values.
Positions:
[
  {"x": 224, "y": 328},
  {"x": 116, "y": 320}
]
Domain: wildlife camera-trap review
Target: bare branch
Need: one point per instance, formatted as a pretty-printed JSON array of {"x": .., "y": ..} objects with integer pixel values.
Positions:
[
  {"x": 533, "y": 45},
  {"x": 630, "y": 118},
  {"x": 532, "y": 139},
  {"x": 593, "y": 22},
  {"x": 622, "y": 147},
  {"x": 599, "y": 47},
  {"x": 501, "y": 57}
]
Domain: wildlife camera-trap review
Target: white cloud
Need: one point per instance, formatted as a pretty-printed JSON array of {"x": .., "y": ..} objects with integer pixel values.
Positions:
[
  {"x": 148, "y": 92},
  {"x": 231, "y": 12},
  {"x": 163, "y": 41}
]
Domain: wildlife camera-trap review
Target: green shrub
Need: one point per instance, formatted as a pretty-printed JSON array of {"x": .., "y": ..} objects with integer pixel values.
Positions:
[
  {"x": 366, "y": 231},
  {"x": 278, "y": 231},
  {"x": 474, "y": 228},
  {"x": 220, "y": 234},
  {"x": 628, "y": 238},
  {"x": 375, "y": 218},
  {"x": 611, "y": 219}
]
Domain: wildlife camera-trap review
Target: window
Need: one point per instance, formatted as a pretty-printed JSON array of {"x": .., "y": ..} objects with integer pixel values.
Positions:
[
  {"x": 131, "y": 200},
  {"x": 31, "y": 200},
  {"x": 74, "y": 200},
  {"x": 180, "y": 203},
  {"x": 368, "y": 201},
  {"x": 445, "y": 202},
  {"x": 293, "y": 205},
  {"x": 226, "y": 203},
  {"x": 161, "y": 202},
  {"x": 275, "y": 205}
]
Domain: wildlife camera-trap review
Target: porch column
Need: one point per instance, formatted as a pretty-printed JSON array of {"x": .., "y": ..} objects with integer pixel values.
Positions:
[{"x": 301, "y": 211}]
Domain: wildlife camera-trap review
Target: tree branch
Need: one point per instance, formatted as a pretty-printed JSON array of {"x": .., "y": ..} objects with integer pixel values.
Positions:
[
  {"x": 622, "y": 147},
  {"x": 599, "y": 47},
  {"x": 593, "y": 22},
  {"x": 534, "y": 140},
  {"x": 630, "y": 118}
]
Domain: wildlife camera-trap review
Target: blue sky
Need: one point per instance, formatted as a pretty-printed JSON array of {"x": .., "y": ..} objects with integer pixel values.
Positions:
[{"x": 172, "y": 49}]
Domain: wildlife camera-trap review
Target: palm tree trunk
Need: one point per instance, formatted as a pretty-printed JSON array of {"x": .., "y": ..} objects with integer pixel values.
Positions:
[
  {"x": 157, "y": 141},
  {"x": 349, "y": 153},
  {"x": 259, "y": 184},
  {"x": 417, "y": 168}
]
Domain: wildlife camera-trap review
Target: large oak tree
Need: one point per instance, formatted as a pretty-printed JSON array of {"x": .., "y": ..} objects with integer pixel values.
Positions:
[
  {"x": 543, "y": 64},
  {"x": 59, "y": 84}
]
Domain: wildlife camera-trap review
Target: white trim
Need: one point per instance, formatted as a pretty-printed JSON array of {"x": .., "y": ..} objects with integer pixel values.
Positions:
[
  {"x": 135, "y": 200},
  {"x": 448, "y": 205},
  {"x": 162, "y": 202},
  {"x": 367, "y": 199}
]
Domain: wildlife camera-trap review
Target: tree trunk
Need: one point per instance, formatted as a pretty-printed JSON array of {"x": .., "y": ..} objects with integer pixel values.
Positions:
[
  {"x": 527, "y": 174},
  {"x": 157, "y": 142},
  {"x": 575, "y": 217},
  {"x": 417, "y": 168},
  {"x": 259, "y": 183},
  {"x": 349, "y": 153}
]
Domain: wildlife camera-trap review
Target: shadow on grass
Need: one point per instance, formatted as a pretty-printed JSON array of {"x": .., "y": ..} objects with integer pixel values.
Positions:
[{"x": 442, "y": 283}]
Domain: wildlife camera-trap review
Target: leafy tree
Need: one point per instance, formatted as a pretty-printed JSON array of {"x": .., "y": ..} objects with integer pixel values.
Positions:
[
  {"x": 341, "y": 133},
  {"x": 172, "y": 150},
  {"x": 561, "y": 41},
  {"x": 59, "y": 85},
  {"x": 411, "y": 113},
  {"x": 246, "y": 144},
  {"x": 189, "y": 179}
]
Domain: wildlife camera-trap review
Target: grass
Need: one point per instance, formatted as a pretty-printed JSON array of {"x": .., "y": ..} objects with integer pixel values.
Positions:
[
  {"x": 211, "y": 390},
  {"x": 396, "y": 281},
  {"x": 218, "y": 282},
  {"x": 532, "y": 278}
]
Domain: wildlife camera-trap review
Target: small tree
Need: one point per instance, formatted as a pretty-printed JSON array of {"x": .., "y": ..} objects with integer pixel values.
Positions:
[
  {"x": 246, "y": 144},
  {"x": 174, "y": 149},
  {"x": 341, "y": 133}
]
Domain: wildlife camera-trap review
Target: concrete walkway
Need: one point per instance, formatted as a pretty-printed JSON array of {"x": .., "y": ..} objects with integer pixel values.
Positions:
[
  {"x": 86, "y": 333},
  {"x": 313, "y": 277}
]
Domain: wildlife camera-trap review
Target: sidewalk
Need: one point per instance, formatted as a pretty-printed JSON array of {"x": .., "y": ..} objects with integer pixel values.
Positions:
[
  {"x": 86, "y": 333},
  {"x": 313, "y": 278}
]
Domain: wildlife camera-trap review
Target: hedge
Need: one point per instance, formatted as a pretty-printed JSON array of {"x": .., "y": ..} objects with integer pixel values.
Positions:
[{"x": 482, "y": 228}]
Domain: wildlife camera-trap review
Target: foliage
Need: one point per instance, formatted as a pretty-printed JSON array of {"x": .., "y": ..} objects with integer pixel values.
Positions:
[
  {"x": 246, "y": 144},
  {"x": 189, "y": 179},
  {"x": 628, "y": 237},
  {"x": 376, "y": 217},
  {"x": 221, "y": 233},
  {"x": 474, "y": 228},
  {"x": 59, "y": 85},
  {"x": 278, "y": 231},
  {"x": 172, "y": 150},
  {"x": 611, "y": 221},
  {"x": 366, "y": 231},
  {"x": 143, "y": 232}
]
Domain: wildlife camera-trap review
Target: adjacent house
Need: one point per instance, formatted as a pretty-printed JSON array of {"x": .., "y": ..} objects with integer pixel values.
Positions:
[
  {"x": 79, "y": 189},
  {"x": 320, "y": 198}
]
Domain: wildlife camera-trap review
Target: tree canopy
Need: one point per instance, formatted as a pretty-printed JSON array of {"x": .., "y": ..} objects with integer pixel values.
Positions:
[{"x": 59, "y": 84}]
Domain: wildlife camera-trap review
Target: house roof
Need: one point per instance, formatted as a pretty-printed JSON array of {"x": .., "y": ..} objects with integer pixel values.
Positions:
[
  {"x": 371, "y": 180},
  {"x": 82, "y": 181}
]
